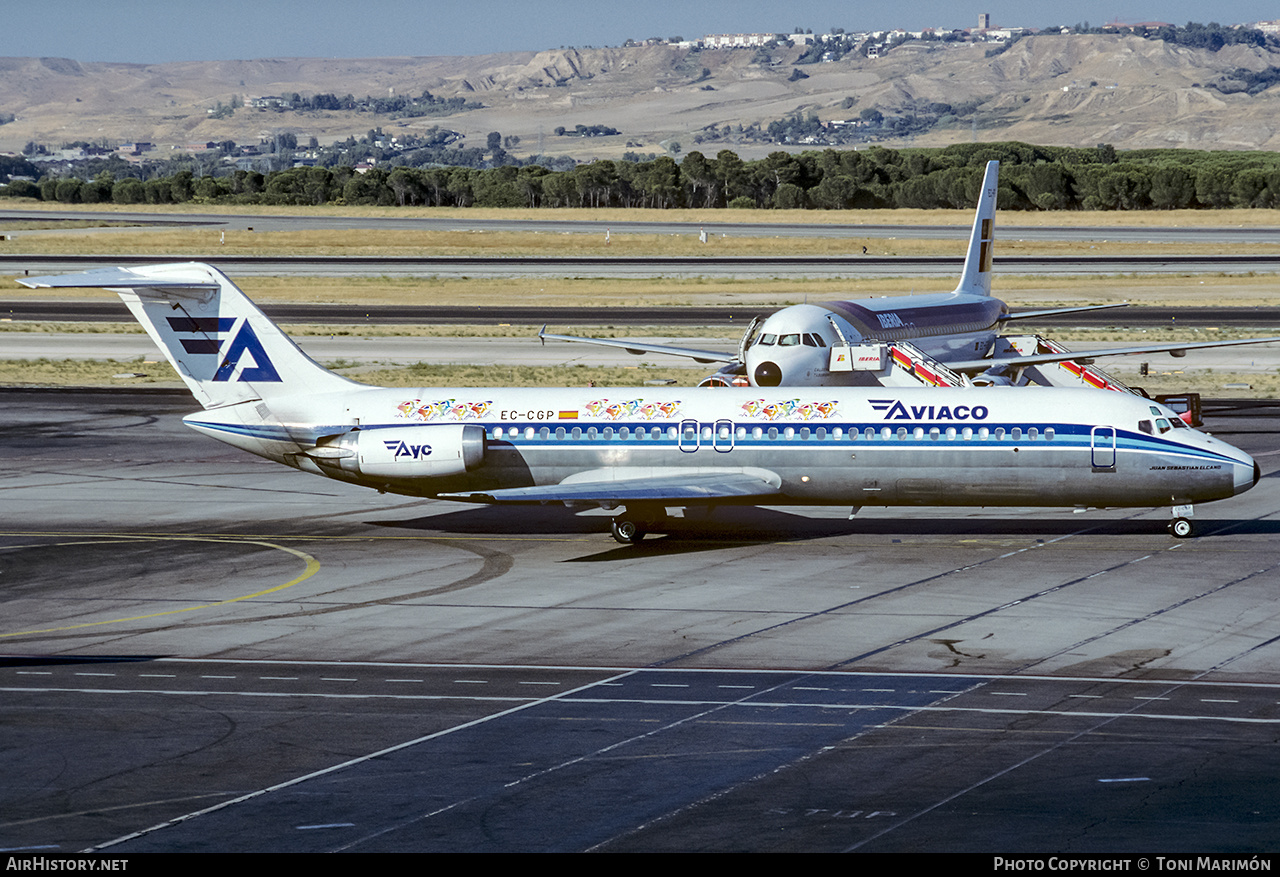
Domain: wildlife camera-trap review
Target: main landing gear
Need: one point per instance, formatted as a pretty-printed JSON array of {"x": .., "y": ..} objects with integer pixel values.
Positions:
[
  {"x": 626, "y": 530},
  {"x": 631, "y": 525}
]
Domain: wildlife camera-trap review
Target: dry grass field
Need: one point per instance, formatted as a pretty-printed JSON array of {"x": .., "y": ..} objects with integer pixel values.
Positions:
[
  {"x": 1185, "y": 290},
  {"x": 962, "y": 218},
  {"x": 765, "y": 293}
]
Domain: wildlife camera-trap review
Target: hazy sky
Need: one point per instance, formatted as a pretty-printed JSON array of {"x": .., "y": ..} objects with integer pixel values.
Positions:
[{"x": 176, "y": 30}]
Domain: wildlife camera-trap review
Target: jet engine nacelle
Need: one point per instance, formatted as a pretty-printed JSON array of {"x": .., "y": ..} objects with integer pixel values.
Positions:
[{"x": 428, "y": 451}]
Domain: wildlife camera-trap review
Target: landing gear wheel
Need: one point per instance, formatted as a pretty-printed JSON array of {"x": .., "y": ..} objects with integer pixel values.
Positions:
[
  {"x": 626, "y": 530},
  {"x": 1182, "y": 528}
]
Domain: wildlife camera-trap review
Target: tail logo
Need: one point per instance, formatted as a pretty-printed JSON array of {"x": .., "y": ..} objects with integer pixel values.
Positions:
[{"x": 245, "y": 342}]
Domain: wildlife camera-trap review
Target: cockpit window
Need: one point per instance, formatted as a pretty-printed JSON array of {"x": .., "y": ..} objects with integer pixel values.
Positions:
[
  {"x": 1162, "y": 425},
  {"x": 812, "y": 339},
  {"x": 1145, "y": 426},
  {"x": 1178, "y": 423},
  {"x": 789, "y": 340},
  {"x": 767, "y": 340}
]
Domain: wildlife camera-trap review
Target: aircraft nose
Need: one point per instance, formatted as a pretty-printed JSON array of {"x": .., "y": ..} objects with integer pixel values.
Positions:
[
  {"x": 1246, "y": 476},
  {"x": 767, "y": 374}
]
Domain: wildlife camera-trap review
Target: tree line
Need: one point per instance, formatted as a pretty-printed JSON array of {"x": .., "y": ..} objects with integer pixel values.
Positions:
[{"x": 1031, "y": 178}]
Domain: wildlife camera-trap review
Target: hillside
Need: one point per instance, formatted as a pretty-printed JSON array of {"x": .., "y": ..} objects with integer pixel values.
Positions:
[{"x": 1060, "y": 90}]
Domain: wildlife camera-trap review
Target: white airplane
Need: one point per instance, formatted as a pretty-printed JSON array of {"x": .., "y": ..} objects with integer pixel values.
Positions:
[
  {"x": 843, "y": 343},
  {"x": 641, "y": 451}
]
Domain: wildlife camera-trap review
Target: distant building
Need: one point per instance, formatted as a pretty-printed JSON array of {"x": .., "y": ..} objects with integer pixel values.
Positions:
[
  {"x": 984, "y": 20},
  {"x": 737, "y": 40}
]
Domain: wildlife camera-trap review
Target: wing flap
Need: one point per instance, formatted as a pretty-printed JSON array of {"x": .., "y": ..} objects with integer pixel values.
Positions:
[
  {"x": 977, "y": 366},
  {"x": 616, "y": 487},
  {"x": 640, "y": 348},
  {"x": 1055, "y": 312}
]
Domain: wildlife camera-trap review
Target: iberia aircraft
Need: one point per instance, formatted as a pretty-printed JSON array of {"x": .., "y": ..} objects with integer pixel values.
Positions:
[
  {"x": 843, "y": 343},
  {"x": 642, "y": 451}
]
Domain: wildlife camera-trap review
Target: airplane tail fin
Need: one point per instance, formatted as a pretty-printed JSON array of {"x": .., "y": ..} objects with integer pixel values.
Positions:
[
  {"x": 976, "y": 278},
  {"x": 225, "y": 349}
]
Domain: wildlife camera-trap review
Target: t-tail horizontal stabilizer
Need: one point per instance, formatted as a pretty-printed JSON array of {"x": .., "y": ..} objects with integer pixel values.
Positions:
[{"x": 224, "y": 348}]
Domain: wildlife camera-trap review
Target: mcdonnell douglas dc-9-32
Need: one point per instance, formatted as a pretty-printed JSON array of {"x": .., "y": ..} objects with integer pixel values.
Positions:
[
  {"x": 939, "y": 339},
  {"x": 639, "y": 452}
]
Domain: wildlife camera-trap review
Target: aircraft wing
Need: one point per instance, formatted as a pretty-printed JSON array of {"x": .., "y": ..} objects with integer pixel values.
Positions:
[
  {"x": 977, "y": 366},
  {"x": 1053, "y": 312},
  {"x": 637, "y": 348},
  {"x": 615, "y": 487}
]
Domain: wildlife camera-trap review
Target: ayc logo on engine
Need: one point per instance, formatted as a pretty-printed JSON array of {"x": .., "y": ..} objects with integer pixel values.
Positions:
[{"x": 401, "y": 449}]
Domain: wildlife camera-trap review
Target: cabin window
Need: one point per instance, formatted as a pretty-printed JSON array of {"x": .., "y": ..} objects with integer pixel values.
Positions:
[
  {"x": 672, "y": 432},
  {"x": 528, "y": 432},
  {"x": 757, "y": 432},
  {"x": 820, "y": 433},
  {"x": 918, "y": 433},
  {"x": 902, "y": 433},
  {"x": 724, "y": 432},
  {"x": 544, "y": 433},
  {"x": 1033, "y": 433},
  {"x": 885, "y": 433},
  {"x": 804, "y": 432},
  {"x": 623, "y": 433},
  {"x": 576, "y": 432},
  {"x": 740, "y": 432},
  {"x": 983, "y": 433},
  {"x": 967, "y": 433},
  {"x": 838, "y": 433},
  {"x": 1049, "y": 434},
  {"x": 591, "y": 432},
  {"x": 559, "y": 432},
  {"x": 656, "y": 432},
  {"x": 773, "y": 432},
  {"x": 934, "y": 433},
  {"x": 951, "y": 433},
  {"x": 999, "y": 433},
  {"x": 789, "y": 432},
  {"x": 1016, "y": 433}
]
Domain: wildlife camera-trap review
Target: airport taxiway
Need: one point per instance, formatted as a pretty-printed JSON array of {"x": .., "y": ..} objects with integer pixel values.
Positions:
[{"x": 206, "y": 651}]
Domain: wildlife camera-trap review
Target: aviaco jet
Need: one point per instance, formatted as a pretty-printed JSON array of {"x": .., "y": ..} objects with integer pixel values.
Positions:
[
  {"x": 641, "y": 451},
  {"x": 940, "y": 339}
]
